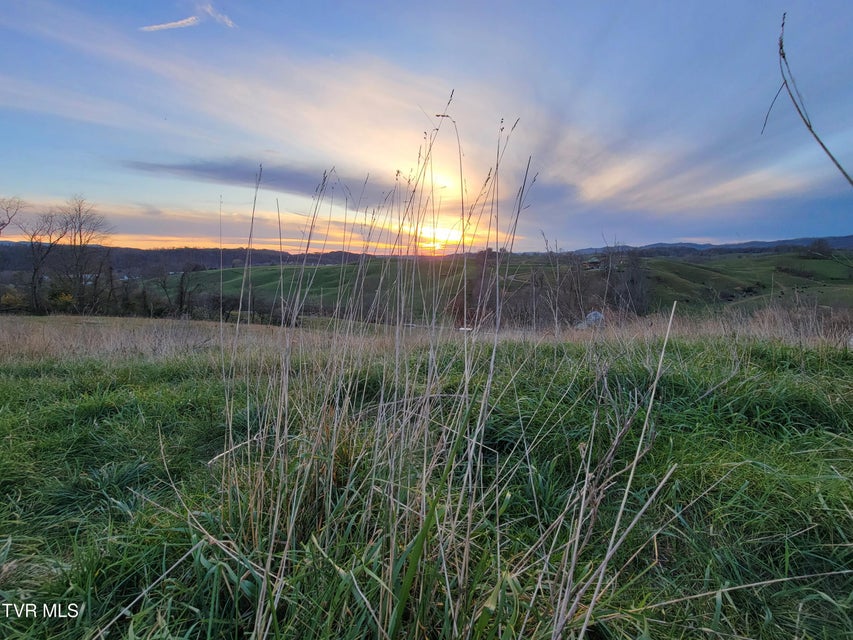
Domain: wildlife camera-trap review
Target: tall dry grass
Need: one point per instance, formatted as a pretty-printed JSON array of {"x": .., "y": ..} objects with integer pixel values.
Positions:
[
  {"x": 382, "y": 480},
  {"x": 360, "y": 491}
]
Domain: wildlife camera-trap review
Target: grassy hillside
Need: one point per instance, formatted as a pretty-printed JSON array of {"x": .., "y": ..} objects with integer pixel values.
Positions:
[
  {"x": 753, "y": 280},
  {"x": 326, "y": 288},
  {"x": 536, "y": 287},
  {"x": 181, "y": 479}
]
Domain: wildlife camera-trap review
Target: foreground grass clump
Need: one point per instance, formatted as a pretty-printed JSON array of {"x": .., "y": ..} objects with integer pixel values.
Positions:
[{"x": 174, "y": 481}]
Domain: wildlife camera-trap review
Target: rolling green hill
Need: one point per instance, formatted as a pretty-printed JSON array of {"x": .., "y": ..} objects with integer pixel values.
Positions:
[
  {"x": 750, "y": 280},
  {"x": 533, "y": 285}
]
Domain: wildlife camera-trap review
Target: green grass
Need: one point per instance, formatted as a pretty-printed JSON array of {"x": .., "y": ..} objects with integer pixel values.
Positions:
[
  {"x": 752, "y": 281},
  {"x": 374, "y": 473},
  {"x": 378, "y": 287},
  {"x": 369, "y": 289},
  {"x": 343, "y": 483}
]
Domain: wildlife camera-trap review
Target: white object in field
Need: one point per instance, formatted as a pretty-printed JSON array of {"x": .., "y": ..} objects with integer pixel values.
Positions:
[{"x": 593, "y": 319}]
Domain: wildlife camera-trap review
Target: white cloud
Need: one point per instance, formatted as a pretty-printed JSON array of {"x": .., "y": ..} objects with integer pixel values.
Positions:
[
  {"x": 670, "y": 178},
  {"x": 636, "y": 183},
  {"x": 367, "y": 114},
  {"x": 202, "y": 10},
  {"x": 221, "y": 18},
  {"x": 177, "y": 24}
]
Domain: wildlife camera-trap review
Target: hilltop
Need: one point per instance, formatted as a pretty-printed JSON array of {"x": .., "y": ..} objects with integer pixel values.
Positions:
[
  {"x": 541, "y": 289},
  {"x": 680, "y": 248},
  {"x": 15, "y": 256}
]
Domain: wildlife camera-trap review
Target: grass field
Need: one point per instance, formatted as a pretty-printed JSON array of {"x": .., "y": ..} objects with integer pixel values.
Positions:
[
  {"x": 166, "y": 479},
  {"x": 746, "y": 281},
  {"x": 752, "y": 281}
]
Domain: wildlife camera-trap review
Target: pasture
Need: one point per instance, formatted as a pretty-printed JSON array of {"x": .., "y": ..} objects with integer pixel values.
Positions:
[
  {"x": 178, "y": 479},
  {"x": 537, "y": 290}
]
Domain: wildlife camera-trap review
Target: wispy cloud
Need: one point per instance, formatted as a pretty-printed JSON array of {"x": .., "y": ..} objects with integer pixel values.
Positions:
[
  {"x": 177, "y": 24},
  {"x": 603, "y": 160},
  {"x": 368, "y": 115},
  {"x": 221, "y": 18},
  {"x": 16, "y": 93},
  {"x": 671, "y": 178},
  {"x": 203, "y": 10}
]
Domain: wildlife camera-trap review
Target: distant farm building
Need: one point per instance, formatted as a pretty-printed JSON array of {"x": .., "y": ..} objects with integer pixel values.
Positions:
[{"x": 592, "y": 264}]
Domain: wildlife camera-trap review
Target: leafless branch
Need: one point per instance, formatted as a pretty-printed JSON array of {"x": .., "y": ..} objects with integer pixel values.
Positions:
[
  {"x": 9, "y": 208},
  {"x": 790, "y": 85}
]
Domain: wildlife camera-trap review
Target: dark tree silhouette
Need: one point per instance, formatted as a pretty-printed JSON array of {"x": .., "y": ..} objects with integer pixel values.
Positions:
[{"x": 9, "y": 208}]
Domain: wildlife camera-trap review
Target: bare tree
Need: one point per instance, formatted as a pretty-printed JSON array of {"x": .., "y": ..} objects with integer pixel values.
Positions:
[
  {"x": 85, "y": 263},
  {"x": 561, "y": 292},
  {"x": 43, "y": 233},
  {"x": 9, "y": 208},
  {"x": 185, "y": 290},
  {"x": 629, "y": 290}
]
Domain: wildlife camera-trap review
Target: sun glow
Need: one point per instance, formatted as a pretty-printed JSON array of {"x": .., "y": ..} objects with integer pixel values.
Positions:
[
  {"x": 434, "y": 238},
  {"x": 441, "y": 181}
]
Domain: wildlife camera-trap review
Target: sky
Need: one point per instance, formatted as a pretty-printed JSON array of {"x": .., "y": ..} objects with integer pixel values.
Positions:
[{"x": 428, "y": 127}]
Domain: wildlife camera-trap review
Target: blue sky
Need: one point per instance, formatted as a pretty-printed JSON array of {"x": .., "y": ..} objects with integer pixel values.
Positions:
[{"x": 641, "y": 121}]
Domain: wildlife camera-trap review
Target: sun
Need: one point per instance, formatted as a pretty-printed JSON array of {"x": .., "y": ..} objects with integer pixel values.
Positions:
[
  {"x": 433, "y": 238},
  {"x": 443, "y": 181}
]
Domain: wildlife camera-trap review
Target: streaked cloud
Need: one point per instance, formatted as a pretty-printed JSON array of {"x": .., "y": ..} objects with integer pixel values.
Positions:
[
  {"x": 221, "y": 18},
  {"x": 177, "y": 24},
  {"x": 665, "y": 186},
  {"x": 344, "y": 107},
  {"x": 203, "y": 10},
  {"x": 24, "y": 95},
  {"x": 611, "y": 154},
  {"x": 303, "y": 181}
]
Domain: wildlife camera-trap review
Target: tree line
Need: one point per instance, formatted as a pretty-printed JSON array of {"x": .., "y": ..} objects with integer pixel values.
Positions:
[
  {"x": 65, "y": 266},
  {"x": 69, "y": 264},
  {"x": 68, "y": 268}
]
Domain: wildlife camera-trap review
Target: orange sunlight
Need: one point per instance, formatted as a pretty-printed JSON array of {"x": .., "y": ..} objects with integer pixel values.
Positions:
[
  {"x": 434, "y": 239},
  {"x": 437, "y": 238}
]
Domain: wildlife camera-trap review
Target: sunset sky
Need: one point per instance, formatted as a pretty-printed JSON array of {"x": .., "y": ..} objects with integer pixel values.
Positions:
[{"x": 641, "y": 121}]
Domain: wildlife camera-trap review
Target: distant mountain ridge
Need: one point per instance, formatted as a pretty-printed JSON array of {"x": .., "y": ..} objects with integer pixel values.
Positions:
[
  {"x": 15, "y": 256},
  {"x": 836, "y": 242}
]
